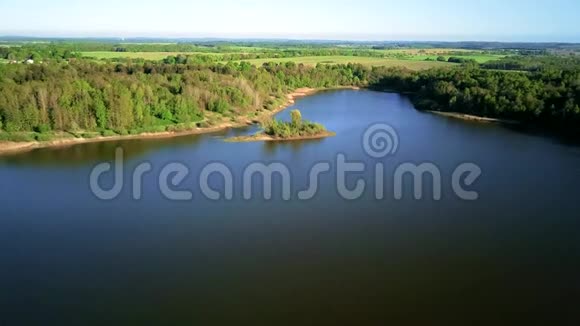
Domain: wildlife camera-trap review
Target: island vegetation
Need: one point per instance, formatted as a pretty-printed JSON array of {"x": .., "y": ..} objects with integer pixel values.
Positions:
[{"x": 296, "y": 129}]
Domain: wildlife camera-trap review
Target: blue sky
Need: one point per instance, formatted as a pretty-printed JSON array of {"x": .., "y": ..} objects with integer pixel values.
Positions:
[{"x": 501, "y": 20}]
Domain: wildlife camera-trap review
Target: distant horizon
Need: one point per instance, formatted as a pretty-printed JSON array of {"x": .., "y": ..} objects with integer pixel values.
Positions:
[{"x": 233, "y": 37}]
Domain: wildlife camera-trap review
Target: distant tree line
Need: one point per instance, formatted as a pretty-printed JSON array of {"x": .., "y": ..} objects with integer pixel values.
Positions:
[
  {"x": 37, "y": 52},
  {"x": 535, "y": 63},
  {"x": 195, "y": 53}
]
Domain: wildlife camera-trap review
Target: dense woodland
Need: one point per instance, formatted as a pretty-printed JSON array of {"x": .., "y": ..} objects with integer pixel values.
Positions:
[
  {"x": 80, "y": 95},
  {"x": 535, "y": 63},
  {"x": 549, "y": 98}
]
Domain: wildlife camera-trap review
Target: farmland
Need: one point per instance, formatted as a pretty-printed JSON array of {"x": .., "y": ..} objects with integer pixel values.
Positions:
[
  {"x": 367, "y": 61},
  {"x": 414, "y": 59}
]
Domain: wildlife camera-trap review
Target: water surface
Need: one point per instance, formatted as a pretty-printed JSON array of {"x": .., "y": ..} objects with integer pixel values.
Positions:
[{"x": 514, "y": 254}]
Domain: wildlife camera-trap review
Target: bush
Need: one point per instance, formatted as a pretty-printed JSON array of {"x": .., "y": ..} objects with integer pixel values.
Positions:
[
  {"x": 296, "y": 118},
  {"x": 89, "y": 135},
  {"x": 18, "y": 137},
  {"x": 155, "y": 129},
  {"x": 295, "y": 128},
  {"x": 203, "y": 124},
  {"x": 461, "y": 60},
  {"x": 122, "y": 132},
  {"x": 12, "y": 127},
  {"x": 108, "y": 133},
  {"x": 219, "y": 106},
  {"x": 44, "y": 128},
  {"x": 42, "y": 137},
  {"x": 181, "y": 127}
]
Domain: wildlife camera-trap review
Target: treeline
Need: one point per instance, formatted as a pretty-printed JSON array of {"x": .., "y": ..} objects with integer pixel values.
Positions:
[
  {"x": 224, "y": 57},
  {"x": 192, "y": 53},
  {"x": 549, "y": 98},
  {"x": 226, "y": 52},
  {"x": 197, "y": 58},
  {"x": 460, "y": 60},
  {"x": 66, "y": 50},
  {"x": 38, "y": 52},
  {"x": 87, "y": 96},
  {"x": 535, "y": 63}
]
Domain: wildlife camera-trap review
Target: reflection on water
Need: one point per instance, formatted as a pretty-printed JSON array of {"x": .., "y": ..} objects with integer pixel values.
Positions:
[
  {"x": 81, "y": 154},
  {"x": 270, "y": 148},
  {"x": 85, "y": 153}
]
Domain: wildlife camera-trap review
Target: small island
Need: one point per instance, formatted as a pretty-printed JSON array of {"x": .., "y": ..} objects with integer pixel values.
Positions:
[{"x": 297, "y": 129}]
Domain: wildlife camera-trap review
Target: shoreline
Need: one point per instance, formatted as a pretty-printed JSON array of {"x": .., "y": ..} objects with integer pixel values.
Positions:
[
  {"x": 470, "y": 117},
  {"x": 266, "y": 138},
  {"x": 7, "y": 148}
]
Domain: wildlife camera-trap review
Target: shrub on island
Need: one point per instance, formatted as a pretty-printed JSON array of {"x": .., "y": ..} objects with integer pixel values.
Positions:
[{"x": 296, "y": 128}]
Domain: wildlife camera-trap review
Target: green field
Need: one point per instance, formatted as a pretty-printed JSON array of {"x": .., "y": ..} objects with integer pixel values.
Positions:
[
  {"x": 415, "y": 59},
  {"x": 433, "y": 54},
  {"x": 311, "y": 61},
  {"x": 367, "y": 61}
]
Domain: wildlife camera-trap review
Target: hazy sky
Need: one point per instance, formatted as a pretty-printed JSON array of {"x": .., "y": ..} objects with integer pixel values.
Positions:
[{"x": 503, "y": 20}]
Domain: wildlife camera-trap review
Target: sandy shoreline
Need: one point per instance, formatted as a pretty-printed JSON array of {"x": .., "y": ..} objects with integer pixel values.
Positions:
[
  {"x": 19, "y": 147},
  {"x": 264, "y": 137},
  {"x": 470, "y": 117}
]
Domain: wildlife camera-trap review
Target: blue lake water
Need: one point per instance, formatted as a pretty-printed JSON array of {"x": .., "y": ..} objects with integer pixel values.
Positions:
[{"x": 68, "y": 257}]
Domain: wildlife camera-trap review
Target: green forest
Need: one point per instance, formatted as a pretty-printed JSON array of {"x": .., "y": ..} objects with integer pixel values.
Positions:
[
  {"x": 548, "y": 98},
  {"x": 116, "y": 98},
  {"x": 87, "y": 97}
]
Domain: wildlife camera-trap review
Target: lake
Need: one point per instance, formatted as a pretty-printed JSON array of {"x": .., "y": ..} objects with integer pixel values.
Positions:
[{"x": 513, "y": 254}]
